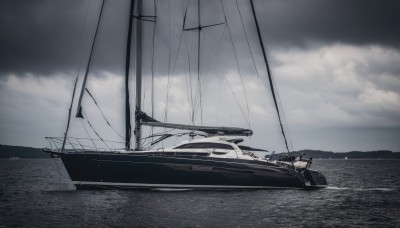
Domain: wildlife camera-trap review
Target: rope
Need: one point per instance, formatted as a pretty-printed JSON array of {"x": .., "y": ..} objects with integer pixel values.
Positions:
[
  {"x": 169, "y": 62},
  {"x": 170, "y": 78},
  {"x": 87, "y": 120},
  {"x": 238, "y": 67},
  {"x": 237, "y": 101},
  {"x": 286, "y": 126},
  {"x": 81, "y": 37},
  {"x": 155, "y": 31},
  {"x": 269, "y": 75},
  {"x": 108, "y": 123},
  {"x": 247, "y": 40},
  {"x": 188, "y": 85},
  {"x": 87, "y": 133}
]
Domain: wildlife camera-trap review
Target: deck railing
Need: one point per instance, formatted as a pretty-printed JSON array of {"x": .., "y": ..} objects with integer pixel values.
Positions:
[{"x": 79, "y": 144}]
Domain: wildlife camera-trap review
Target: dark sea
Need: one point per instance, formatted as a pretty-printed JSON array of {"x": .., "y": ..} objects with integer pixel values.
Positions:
[{"x": 361, "y": 193}]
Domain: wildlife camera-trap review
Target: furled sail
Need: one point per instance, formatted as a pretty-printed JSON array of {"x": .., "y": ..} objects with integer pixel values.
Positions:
[{"x": 148, "y": 121}]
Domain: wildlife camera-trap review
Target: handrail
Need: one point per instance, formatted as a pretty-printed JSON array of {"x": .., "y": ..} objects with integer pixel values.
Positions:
[{"x": 78, "y": 144}]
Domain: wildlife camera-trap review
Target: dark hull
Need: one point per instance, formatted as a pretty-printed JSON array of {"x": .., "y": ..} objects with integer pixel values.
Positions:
[{"x": 115, "y": 170}]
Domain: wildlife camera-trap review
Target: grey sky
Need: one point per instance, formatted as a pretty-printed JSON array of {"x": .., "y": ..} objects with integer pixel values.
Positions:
[{"x": 335, "y": 64}]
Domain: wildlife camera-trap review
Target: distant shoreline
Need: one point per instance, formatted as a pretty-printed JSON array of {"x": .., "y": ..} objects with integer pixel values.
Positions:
[{"x": 20, "y": 152}]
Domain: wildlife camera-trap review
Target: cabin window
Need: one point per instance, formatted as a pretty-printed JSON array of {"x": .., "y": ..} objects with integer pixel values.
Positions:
[{"x": 205, "y": 146}]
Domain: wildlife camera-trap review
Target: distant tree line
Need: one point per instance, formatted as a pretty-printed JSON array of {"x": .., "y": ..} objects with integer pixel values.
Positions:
[
  {"x": 21, "y": 152},
  {"x": 316, "y": 154},
  {"x": 29, "y": 152}
]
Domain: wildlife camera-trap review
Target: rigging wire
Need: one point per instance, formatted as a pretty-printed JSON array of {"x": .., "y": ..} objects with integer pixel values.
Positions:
[
  {"x": 87, "y": 133},
  {"x": 77, "y": 75},
  {"x": 171, "y": 75},
  {"x": 192, "y": 104},
  {"x": 177, "y": 54},
  {"x": 146, "y": 86},
  {"x": 148, "y": 145},
  {"x": 219, "y": 99},
  {"x": 284, "y": 116},
  {"x": 79, "y": 109},
  {"x": 237, "y": 101},
  {"x": 173, "y": 68},
  {"x": 216, "y": 53},
  {"x": 198, "y": 94},
  {"x": 198, "y": 60},
  {"x": 269, "y": 76},
  {"x": 247, "y": 40},
  {"x": 155, "y": 29},
  {"x": 108, "y": 123},
  {"x": 169, "y": 62},
  {"x": 188, "y": 85},
  {"x": 79, "y": 143},
  {"x": 195, "y": 102},
  {"x": 81, "y": 38},
  {"x": 237, "y": 64},
  {"x": 87, "y": 120},
  {"x": 255, "y": 66},
  {"x": 69, "y": 115},
  {"x": 216, "y": 56},
  {"x": 74, "y": 144}
]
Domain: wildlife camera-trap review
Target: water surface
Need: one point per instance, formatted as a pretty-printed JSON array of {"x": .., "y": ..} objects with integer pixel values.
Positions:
[{"x": 38, "y": 192}]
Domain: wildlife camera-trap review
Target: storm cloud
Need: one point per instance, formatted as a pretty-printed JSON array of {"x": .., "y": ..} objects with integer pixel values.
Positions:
[
  {"x": 43, "y": 37},
  {"x": 335, "y": 64}
]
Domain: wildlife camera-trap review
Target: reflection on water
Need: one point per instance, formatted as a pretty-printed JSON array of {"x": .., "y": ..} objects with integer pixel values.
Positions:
[{"x": 38, "y": 192}]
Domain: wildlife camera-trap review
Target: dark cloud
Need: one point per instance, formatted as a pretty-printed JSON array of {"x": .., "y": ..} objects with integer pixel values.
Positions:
[
  {"x": 336, "y": 61},
  {"x": 43, "y": 37},
  {"x": 38, "y": 36},
  {"x": 349, "y": 21}
]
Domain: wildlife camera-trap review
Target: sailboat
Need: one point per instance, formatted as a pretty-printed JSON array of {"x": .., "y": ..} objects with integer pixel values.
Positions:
[{"x": 216, "y": 160}]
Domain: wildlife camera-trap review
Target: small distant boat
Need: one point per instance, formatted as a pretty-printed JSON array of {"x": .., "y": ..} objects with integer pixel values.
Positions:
[
  {"x": 345, "y": 158},
  {"x": 14, "y": 158}
]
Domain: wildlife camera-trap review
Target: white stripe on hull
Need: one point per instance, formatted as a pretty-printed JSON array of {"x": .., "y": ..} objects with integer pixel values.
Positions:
[{"x": 145, "y": 185}]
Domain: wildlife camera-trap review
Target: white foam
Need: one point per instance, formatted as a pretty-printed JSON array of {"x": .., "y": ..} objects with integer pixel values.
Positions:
[
  {"x": 336, "y": 188},
  {"x": 170, "y": 189},
  {"x": 377, "y": 189}
]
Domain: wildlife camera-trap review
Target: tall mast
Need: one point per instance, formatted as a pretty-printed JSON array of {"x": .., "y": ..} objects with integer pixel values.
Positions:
[
  {"x": 138, "y": 131},
  {"x": 271, "y": 84},
  {"x": 198, "y": 58},
  {"x": 198, "y": 28},
  {"x": 127, "y": 66}
]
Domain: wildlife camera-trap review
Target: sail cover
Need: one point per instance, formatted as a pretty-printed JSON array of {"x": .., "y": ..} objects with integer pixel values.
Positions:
[{"x": 148, "y": 121}]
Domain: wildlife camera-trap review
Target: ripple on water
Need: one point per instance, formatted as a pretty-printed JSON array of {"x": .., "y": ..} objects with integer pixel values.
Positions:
[{"x": 39, "y": 193}]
